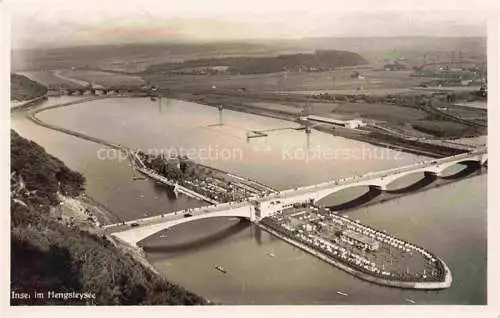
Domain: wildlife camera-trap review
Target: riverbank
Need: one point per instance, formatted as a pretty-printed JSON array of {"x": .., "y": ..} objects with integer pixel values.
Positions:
[
  {"x": 176, "y": 187},
  {"x": 84, "y": 211},
  {"x": 241, "y": 104},
  {"x": 377, "y": 139},
  {"x": 28, "y": 103},
  {"x": 89, "y": 215},
  {"x": 57, "y": 242}
]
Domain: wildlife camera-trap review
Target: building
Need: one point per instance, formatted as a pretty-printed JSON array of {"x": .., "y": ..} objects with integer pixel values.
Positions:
[
  {"x": 174, "y": 162},
  {"x": 359, "y": 240},
  {"x": 308, "y": 227},
  {"x": 351, "y": 123}
]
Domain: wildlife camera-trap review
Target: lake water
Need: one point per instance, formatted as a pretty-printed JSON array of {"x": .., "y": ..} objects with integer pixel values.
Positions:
[{"x": 450, "y": 220}]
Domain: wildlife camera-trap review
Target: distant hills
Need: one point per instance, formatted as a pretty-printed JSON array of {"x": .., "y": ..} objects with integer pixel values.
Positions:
[
  {"x": 318, "y": 61},
  {"x": 137, "y": 57}
]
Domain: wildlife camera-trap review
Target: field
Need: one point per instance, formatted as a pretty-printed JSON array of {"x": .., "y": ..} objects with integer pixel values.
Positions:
[
  {"x": 281, "y": 94},
  {"x": 368, "y": 79},
  {"x": 277, "y": 107},
  {"x": 104, "y": 78},
  {"x": 77, "y": 78},
  {"x": 291, "y": 82},
  {"x": 476, "y": 104},
  {"x": 465, "y": 113},
  {"x": 384, "y": 112},
  {"x": 440, "y": 128},
  {"x": 48, "y": 79}
]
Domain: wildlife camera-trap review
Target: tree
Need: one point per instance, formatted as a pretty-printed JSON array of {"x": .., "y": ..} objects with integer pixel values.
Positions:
[{"x": 173, "y": 172}]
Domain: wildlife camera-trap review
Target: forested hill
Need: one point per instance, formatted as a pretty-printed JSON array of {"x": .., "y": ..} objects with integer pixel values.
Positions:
[
  {"x": 48, "y": 255},
  {"x": 22, "y": 88},
  {"x": 318, "y": 61}
]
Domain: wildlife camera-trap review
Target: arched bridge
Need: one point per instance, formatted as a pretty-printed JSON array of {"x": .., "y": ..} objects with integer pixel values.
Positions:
[
  {"x": 379, "y": 179},
  {"x": 135, "y": 231},
  {"x": 101, "y": 90},
  {"x": 258, "y": 207}
]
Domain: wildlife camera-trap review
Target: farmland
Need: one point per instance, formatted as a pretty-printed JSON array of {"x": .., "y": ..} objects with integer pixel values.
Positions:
[
  {"x": 293, "y": 82},
  {"x": 280, "y": 78},
  {"x": 104, "y": 78}
]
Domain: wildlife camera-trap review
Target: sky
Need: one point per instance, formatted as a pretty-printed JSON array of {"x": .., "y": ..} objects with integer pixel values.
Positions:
[{"x": 87, "y": 22}]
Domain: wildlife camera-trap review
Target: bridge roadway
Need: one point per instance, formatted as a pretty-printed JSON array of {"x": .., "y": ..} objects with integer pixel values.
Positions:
[
  {"x": 258, "y": 207},
  {"x": 117, "y": 227},
  {"x": 436, "y": 166},
  {"x": 151, "y": 225}
]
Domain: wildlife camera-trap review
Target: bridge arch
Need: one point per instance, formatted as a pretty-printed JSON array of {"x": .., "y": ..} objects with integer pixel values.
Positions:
[
  {"x": 468, "y": 167},
  {"x": 350, "y": 197},
  {"x": 367, "y": 183},
  {"x": 217, "y": 231},
  {"x": 426, "y": 177},
  {"x": 136, "y": 234}
]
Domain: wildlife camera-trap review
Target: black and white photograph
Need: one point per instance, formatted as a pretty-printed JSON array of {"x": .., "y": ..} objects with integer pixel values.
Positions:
[{"x": 235, "y": 153}]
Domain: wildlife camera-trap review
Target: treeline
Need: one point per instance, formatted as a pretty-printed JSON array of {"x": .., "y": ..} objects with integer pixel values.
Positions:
[
  {"x": 22, "y": 88},
  {"x": 47, "y": 255},
  {"x": 319, "y": 61},
  {"x": 409, "y": 100}
]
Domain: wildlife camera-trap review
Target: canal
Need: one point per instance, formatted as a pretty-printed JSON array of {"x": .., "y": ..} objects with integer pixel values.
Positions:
[{"x": 450, "y": 220}]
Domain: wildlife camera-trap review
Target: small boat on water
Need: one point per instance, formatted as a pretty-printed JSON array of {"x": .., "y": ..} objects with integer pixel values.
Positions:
[
  {"x": 221, "y": 269},
  {"x": 341, "y": 293},
  {"x": 410, "y": 300},
  {"x": 270, "y": 254}
]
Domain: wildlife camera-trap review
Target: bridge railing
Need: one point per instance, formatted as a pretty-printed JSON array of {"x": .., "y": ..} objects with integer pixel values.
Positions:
[
  {"x": 180, "y": 213},
  {"x": 380, "y": 173}
]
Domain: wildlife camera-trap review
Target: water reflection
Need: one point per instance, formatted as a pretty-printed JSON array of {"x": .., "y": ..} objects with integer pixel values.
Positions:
[
  {"x": 258, "y": 235},
  {"x": 163, "y": 189}
]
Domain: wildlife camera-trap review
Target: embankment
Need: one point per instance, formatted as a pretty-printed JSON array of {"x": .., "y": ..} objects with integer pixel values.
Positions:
[
  {"x": 28, "y": 103},
  {"x": 32, "y": 116},
  {"x": 240, "y": 104},
  {"x": 63, "y": 252}
]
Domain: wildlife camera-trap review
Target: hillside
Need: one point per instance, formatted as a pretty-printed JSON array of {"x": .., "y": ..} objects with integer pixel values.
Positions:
[
  {"x": 120, "y": 57},
  {"x": 50, "y": 255},
  {"x": 22, "y": 88},
  {"x": 318, "y": 61}
]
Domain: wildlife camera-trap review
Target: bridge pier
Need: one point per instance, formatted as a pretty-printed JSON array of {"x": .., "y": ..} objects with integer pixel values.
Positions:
[
  {"x": 484, "y": 159},
  {"x": 437, "y": 174},
  {"x": 382, "y": 187}
]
